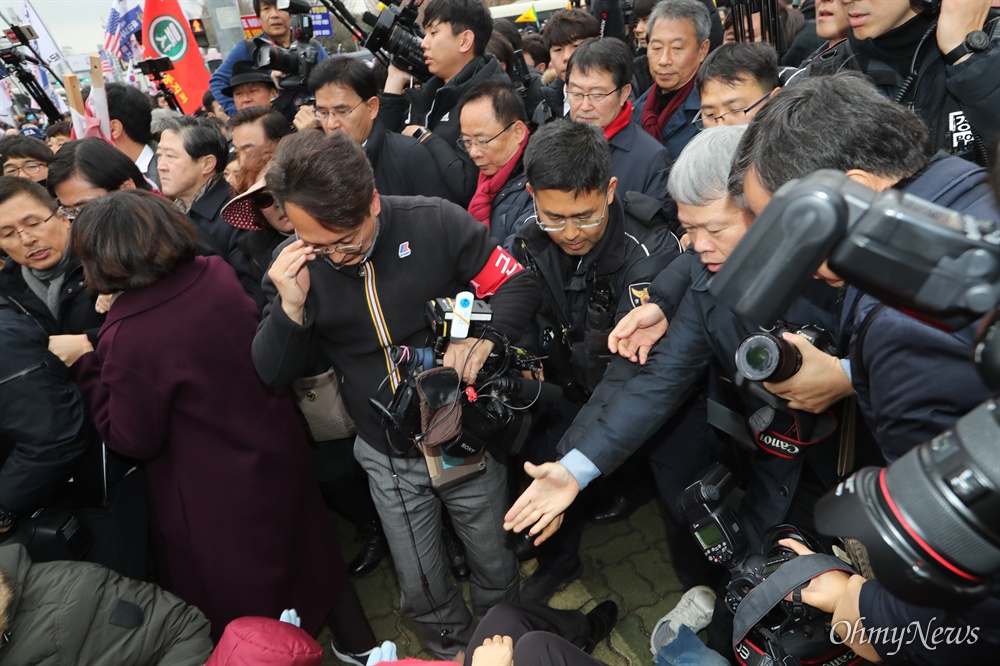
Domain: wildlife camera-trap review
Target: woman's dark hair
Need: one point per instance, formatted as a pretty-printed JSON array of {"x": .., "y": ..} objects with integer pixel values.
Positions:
[
  {"x": 330, "y": 179},
  {"x": 253, "y": 167},
  {"x": 95, "y": 161},
  {"x": 131, "y": 239}
]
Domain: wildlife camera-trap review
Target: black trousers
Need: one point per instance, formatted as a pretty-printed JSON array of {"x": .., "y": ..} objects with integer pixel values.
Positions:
[{"x": 542, "y": 635}]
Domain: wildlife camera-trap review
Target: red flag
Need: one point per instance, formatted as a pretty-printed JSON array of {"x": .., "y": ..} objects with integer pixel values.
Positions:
[{"x": 166, "y": 32}]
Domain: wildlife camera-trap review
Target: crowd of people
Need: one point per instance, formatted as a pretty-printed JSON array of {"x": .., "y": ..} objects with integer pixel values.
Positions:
[{"x": 173, "y": 296}]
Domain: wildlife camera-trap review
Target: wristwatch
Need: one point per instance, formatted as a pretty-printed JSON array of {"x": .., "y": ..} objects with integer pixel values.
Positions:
[
  {"x": 975, "y": 41},
  {"x": 421, "y": 133}
]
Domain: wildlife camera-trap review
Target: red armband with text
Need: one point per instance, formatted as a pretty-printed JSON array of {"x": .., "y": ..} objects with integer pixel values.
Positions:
[{"x": 500, "y": 266}]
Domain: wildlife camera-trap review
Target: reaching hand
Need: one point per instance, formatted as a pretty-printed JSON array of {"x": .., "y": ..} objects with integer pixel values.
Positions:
[
  {"x": 542, "y": 504},
  {"x": 637, "y": 332},
  {"x": 467, "y": 356},
  {"x": 819, "y": 383},
  {"x": 496, "y": 651},
  {"x": 290, "y": 276},
  {"x": 69, "y": 348},
  {"x": 396, "y": 81}
]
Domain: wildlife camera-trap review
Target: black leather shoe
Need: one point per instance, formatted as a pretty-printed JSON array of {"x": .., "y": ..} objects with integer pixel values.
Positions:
[
  {"x": 523, "y": 547},
  {"x": 373, "y": 549},
  {"x": 619, "y": 508},
  {"x": 602, "y": 620},
  {"x": 541, "y": 585},
  {"x": 455, "y": 552}
]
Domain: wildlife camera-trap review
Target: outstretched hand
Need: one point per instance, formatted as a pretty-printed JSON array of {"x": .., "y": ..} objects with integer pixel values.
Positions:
[
  {"x": 542, "y": 505},
  {"x": 637, "y": 332}
]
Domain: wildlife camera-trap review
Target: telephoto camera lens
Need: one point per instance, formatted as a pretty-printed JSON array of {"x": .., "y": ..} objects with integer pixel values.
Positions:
[{"x": 763, "y": 357}]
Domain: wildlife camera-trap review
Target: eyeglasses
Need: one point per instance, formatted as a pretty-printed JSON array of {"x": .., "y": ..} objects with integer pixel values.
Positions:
[
  {"x": 70, "y": 213},
  {"x": 340, "y": 113},
  {"x": 327, "y": 250},
  {"x": 30, "y": 168},
  {"x": 594, "y": 98},
  {"x": 699, "y": 119},
  {"x": 262, "y": 199},
  {"x": 469, "y": 144},
  {"x": 8, "y": 235},
  {"x": 581, "y": 223}
]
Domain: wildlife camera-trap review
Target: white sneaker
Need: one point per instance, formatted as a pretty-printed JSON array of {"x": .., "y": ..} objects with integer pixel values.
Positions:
[{"x": 694, "y": 610}]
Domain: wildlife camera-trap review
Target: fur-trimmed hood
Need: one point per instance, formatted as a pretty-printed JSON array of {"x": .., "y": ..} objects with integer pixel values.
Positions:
[{"x": 14, "y": 565}]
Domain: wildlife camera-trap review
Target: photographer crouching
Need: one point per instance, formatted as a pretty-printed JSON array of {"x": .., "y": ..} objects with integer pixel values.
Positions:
[{"x": 352, "y": 283}]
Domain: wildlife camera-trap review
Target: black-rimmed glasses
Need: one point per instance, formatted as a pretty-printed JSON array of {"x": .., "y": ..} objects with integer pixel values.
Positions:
[{"x": 700, "y": 119}]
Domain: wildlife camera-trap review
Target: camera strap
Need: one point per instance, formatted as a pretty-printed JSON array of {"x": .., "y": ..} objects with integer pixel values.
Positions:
[{"x": 789, "y": 577}]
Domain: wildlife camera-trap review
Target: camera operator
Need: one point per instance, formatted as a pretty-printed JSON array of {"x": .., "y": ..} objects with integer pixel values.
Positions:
[
  {"x": 936, "y": 61},
  {"x": 347, "y": 101},
  {"x": 596, "y": 257},
  {"x": 598, "y": 88},
  {"x": 457, "y": 32},
  {"x": 276, "y": 19},
  {"x": 353, "y": 282},
  {"x": 912, "y": 379},
  {"x": 906, "y": 365}
]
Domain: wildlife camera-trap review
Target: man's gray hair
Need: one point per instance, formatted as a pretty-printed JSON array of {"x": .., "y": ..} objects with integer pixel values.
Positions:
[
  {"x": 690, "y": 10},
  {"x": 701, "y": 173}
]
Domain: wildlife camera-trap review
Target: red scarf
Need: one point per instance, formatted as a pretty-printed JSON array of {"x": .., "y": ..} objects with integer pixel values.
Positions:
[
  {"x": 488, "y": 186},
  {"x": 653, "y": 118},
  {"x": 620, "y": 121}
]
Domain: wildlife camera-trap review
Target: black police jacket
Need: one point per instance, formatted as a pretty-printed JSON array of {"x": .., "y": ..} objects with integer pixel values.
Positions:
[
  {"x": 582, "y": 304},
  {"x": 433, "y": 105},
  {"x": 44, "y": 429},
  {"x": 958, "y": 102}
]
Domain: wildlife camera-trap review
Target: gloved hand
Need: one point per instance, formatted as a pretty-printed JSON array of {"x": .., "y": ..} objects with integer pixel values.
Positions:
[{"x": 384, "y": 652}]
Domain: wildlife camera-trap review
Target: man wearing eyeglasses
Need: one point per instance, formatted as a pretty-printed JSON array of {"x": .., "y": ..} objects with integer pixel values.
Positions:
[
  {"x": 347, "y": 101},
  {"x": 598, "y": 87},
  {"x": 353, "y": 283},
  {"x": 25, "y": 157},
  {"x": 494, "y": 134},
  {"x": 734, "y": 82},
  {"x": 678, "y": 32},
  {"x": 596, "y": 251}
]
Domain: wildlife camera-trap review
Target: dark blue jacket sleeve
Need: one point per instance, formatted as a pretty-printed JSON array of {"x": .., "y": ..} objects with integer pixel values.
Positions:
[
  {"x": 650, "y": 398},
  {"x": 976, "y": 86}
]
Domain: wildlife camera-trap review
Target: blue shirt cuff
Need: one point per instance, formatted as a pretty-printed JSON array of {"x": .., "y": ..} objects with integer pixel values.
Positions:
[
  {"x": 845, "y": 363},
  {"x": 580, "y": 467}
]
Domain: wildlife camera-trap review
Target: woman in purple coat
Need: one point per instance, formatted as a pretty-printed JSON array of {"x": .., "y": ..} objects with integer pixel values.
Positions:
[{"x": 238, "y": 524}]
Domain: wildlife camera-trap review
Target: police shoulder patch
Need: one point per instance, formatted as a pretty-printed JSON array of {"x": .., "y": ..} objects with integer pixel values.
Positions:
[{"x": 638, "y": 293}]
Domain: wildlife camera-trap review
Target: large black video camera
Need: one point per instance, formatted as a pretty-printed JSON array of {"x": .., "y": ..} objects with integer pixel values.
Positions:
[
  {"x": 395, "y": 32},
  {"x": 15, "y": 62},
  {"x": 493, "y": 412},
  {"x": 790, "y": 632},
  {"x": 930, "y": 519},
  {"x": 295, "y": 62}
]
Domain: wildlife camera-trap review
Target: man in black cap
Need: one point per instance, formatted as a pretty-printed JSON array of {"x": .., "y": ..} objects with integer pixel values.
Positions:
[{"x": 250, "y": 86}]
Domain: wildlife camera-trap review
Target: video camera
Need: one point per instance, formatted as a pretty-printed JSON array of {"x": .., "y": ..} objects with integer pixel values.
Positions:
[
  {"x": 930, "y": 519},
  {"x": 492, "y": 412},
  {"x": 788, "y": 633},
  {"x": 15, "y": 62},
  {"x": 396, "y": 32},
  {"x": 295, "y": 62},
  {"x": 155, "y": 68}
]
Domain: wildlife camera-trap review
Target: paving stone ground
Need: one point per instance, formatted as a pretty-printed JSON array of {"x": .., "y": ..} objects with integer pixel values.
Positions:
[{"x": 627, "y": 562}]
